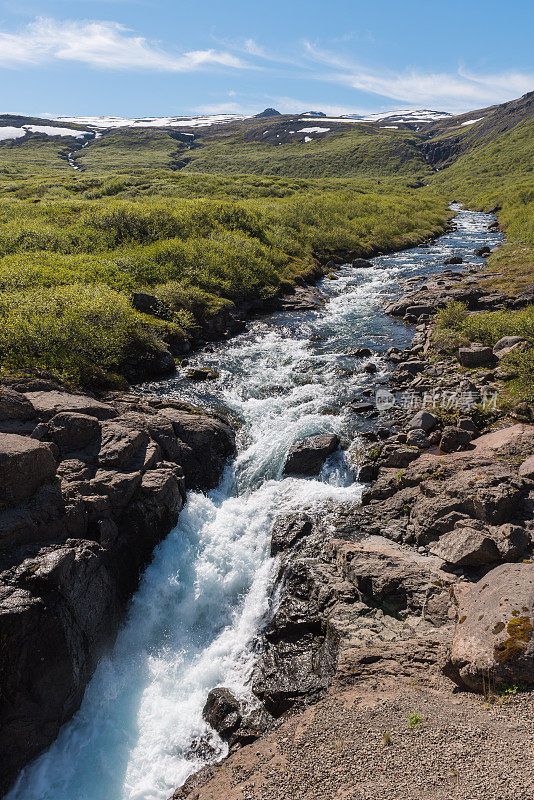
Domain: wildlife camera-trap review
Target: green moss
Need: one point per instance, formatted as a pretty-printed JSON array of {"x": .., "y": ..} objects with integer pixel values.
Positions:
[{"x": 519, "y": 632}]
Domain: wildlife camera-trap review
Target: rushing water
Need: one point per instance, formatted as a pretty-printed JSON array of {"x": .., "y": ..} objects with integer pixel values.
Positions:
[{"x": 193, "y": 623}]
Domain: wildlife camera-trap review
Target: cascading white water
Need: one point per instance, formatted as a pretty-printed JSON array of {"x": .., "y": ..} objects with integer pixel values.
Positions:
[{"x": 193, "y": 623}]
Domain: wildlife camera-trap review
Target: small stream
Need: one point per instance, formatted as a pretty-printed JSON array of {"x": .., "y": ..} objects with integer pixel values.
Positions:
[{"x": 194, "y": 621}]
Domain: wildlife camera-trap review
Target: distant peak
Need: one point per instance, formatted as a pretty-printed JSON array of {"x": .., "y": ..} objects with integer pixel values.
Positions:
[{"x": 269, "y": 112}]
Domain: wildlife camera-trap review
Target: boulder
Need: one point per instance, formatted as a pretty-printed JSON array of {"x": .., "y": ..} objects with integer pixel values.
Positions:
[
  {"x": 416, "y": 437},
  {"x": 466, "y": 547},
  {"x": 201, "y": 374},
  {"x": 493, "y": 642},
  {"x": 526, "y": 470},
  {"x": 453, "y": 260},
  {"x": 234, "y": 723},
  {"x": 361, "y": 263},
  {"x": 200, "y": 444},
  {"x": 507, "y": 345},
  {"x": 288, "y": 529},
  {"x": 370, "y": 368},
  {"x": 361, "y": 352},
  {"x": 13, "y": 405},
  {"x": 475, "y": 355},
  {"x": 482, "y": 252},
  {"x": 512, "y": 541},
  {"x": 308, "y": 456},
  {"x": 420, "y": 310},
  {"x": 424, "y": 420},
  {"x": 72, "y": 431},
  {"x": 48, "y": 404},
  {"x": 222, "y": 711},
  {"x": 25, "y": 464},
  {"x": 454, "y": 439},
  {"x": 120, "y": 443}
]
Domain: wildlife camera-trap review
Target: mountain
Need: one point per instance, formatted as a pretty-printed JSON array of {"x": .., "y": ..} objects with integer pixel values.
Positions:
[
  {"x": 268, "y": 112},
  {"x": 408, "y": 143}
]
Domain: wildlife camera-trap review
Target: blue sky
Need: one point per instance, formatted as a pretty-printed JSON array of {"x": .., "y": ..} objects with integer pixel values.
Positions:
[{"x": 170, "y": 57}]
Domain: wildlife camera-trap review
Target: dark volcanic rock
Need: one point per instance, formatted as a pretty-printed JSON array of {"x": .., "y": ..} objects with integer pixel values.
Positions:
[
  {"x": 72, "y": 431},
  {"x": 308, "y": 456},
  {"x": 13, "y": 405},
  {"x": 453, "y": 260},
  {"x": 288, "y": 530},
  {"x": 361, "y": 263},
  {"x": 476, "y": 355},
  {"x": 25, "y": 464},
  {"x": 454, "y": 439},
  {"x": 74, "y": 538}
]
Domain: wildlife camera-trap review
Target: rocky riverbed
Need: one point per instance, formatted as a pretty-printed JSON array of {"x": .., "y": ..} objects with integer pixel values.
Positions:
[{"x": 391, "y": 613}]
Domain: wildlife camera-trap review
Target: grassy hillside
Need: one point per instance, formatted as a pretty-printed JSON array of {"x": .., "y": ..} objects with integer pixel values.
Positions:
[{"x": 73, "y": 251}]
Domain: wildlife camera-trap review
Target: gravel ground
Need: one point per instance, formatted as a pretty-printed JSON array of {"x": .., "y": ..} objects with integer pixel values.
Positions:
[{"x": 357, "y": 744}]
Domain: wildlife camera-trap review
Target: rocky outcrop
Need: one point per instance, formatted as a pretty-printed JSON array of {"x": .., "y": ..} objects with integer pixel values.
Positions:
[{"x": 85, "y": 495}]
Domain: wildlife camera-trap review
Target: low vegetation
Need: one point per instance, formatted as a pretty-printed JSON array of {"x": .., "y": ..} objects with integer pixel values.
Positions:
[{"x": 73, "y": 251}]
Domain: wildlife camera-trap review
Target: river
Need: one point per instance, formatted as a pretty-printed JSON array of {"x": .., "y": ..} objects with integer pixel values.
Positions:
[{"x": 193, "y": 623}]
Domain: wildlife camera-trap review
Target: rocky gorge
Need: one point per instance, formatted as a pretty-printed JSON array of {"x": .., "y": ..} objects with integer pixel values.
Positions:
[{"x": 88, "y": 488}]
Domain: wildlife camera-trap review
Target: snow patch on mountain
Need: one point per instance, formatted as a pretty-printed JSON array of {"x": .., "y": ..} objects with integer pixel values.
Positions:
[
  {"x": 153, "y": 122},
  {"x": 9, "y": 132}
]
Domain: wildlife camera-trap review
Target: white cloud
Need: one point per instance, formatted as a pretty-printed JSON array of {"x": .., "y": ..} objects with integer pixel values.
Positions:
[
  {"x": 106, "y": 45},
  {"x": 456, "y": 91}
]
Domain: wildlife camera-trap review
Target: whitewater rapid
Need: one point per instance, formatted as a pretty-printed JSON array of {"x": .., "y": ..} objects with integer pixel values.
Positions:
[{"x": 194, "y": 622}]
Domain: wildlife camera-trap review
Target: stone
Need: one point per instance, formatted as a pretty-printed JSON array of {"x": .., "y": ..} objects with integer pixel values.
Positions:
[
  {"x": 493, "y": 643},
  {"x": 361, "y": 263},
  {"x": 361, "y": 352},
  {"x": 119, "y": 444},
  {"x": 48, "y": 404},
  {"x": 72, "y": 431},
  {"x": 424, "y": 420},
  {"x": 222, "y": 711},
  {"x": 416, "y": 437},
  {"x": 288, "y": 529},
  {"x": 509, "y": 344},
  {"x": 453, "y": 260},
  {"x": 482, "y": 252},
  {"x": 367, "y": 473},
  {"x": 454, "y": 439},
  {"x": 14, "y": 405},
  {"x": 25, "y": 464},
  {"x": 308, "y": 456},
  {"x": 526, "y": 470},
  {"x": 370, "y": 368},
  {"x": 201, "y": 374},
  {"x": 475, "y": 355},
  {"x": 420, "y": 310},
  {"x": 512, "y": 541},
  {"x": 465, "y": 547}
]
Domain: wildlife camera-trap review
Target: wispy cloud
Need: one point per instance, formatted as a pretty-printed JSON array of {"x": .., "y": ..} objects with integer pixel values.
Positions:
[
  {"x": 456, "y": 91},
  {"x": 104, "y": 45}
]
